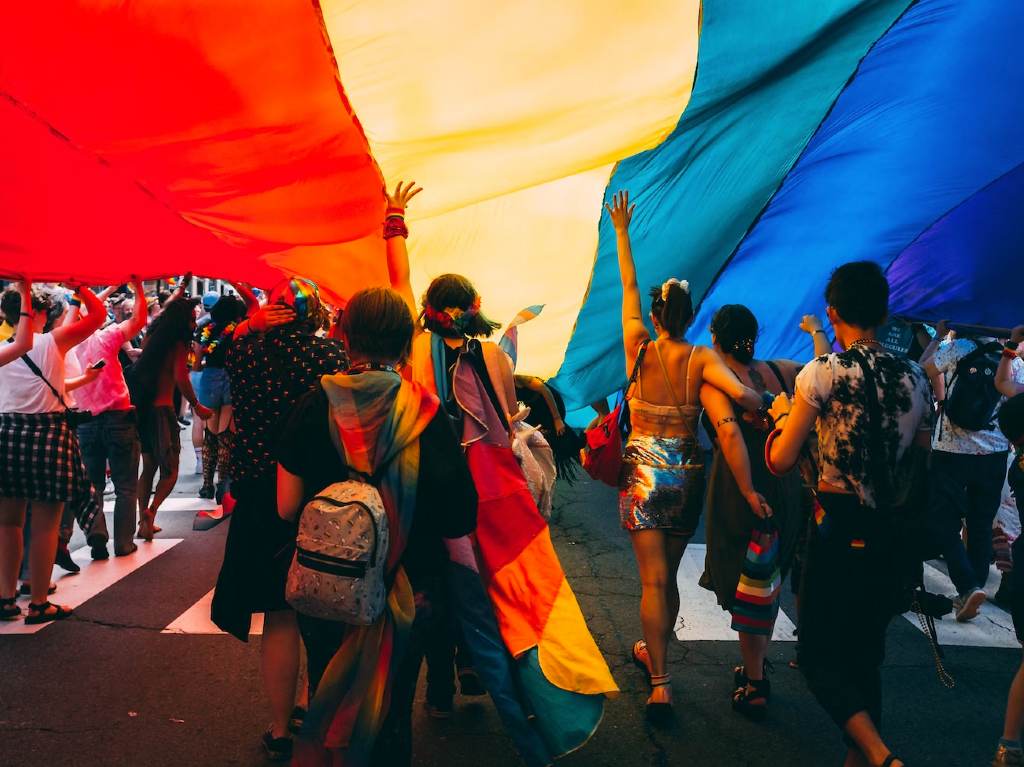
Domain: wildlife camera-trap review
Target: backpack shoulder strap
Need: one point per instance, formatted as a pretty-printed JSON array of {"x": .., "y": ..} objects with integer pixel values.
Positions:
[
  {"x": 634, "y": 377},
  {"x": 778, "y": 374},
  {"x": 39, "y": 374}
]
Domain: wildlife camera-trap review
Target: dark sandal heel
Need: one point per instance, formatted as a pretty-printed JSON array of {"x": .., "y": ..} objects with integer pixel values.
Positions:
[
  {"x": 9, "y": 610},
  {"x": 38, "y": 613},
  {"x": 744, "y": 697},
  {"x": 739, "y": 674},
  {"x": 660, "y": 714}
]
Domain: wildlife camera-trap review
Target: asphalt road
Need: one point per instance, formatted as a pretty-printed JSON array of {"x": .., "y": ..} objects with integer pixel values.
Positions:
[{"x": 114, "y": 687}]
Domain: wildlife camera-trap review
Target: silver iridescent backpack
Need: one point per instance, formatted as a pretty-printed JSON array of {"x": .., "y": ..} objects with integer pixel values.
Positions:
[{"x": 341, "y": 553}]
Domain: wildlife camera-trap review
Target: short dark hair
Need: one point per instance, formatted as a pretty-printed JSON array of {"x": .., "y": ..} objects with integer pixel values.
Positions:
[
  {"x": 10, "y": 304},
  {"x": 734, "y": 327},
  {"x": 227, "y": 309},
  {"x": 377, "y": 324},
  {"x": 859, "y": 293},
  {"x": 673, "y": 312},
  {"x": 1011, "y": 419},
  {"x": 453, "y": 291}
]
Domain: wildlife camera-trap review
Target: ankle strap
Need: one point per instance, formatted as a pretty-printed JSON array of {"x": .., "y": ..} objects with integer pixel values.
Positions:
[
  {"x": 660, "y": 680},
  {"x": 40, "y": 607},
  {"x": 889, "y": 760}
]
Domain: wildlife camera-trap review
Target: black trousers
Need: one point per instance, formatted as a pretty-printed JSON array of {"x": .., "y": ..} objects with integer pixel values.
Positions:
[{"x": 851, "y": 585}]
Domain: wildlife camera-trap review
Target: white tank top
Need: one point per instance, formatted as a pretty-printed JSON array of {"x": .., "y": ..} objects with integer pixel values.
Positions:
[{"x": 21, "y": 391}]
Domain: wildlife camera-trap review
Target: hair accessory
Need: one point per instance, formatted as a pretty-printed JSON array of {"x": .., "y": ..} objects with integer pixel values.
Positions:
[
  {"x": 684, "y": 284},
  {"x": 452, "y": 317}
]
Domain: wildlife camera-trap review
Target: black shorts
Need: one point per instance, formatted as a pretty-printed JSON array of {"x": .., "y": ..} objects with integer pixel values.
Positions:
[{"x": 160, "y": 436}]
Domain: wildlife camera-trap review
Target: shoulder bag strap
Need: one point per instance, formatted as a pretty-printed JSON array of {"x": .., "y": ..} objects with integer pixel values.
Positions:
[
  {"x": 778, "y": 374},
  {"x": 39, "y": 374},
  {"x": 636, "y": 366},
  {"x": 880, "y": 476},
  {"x": 672, "y": 392}
]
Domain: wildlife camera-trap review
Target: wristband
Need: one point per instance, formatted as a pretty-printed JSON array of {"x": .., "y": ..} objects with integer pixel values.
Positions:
[
  {"x": 395, "y": 226},
  {"x": 819, "y": 330},
  {"x": 1009, "y": 353},
  {"x": 1011, "y": 345},
  {"x": 779, "y": 419}
]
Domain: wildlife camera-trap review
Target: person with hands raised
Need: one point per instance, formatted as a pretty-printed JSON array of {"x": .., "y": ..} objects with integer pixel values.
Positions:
[
  {"x": 40, "y": 454},
  {"x": 662, "y": 484},
  {"x": 20, "y": 318},
  {"x": 395, "y": 234},
  {"x": 811, "y": 325},
  {"x": 1009, "y": 379}
]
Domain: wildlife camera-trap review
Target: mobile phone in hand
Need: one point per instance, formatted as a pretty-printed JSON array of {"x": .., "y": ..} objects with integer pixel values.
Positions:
[{"x": 98, "y": 365}]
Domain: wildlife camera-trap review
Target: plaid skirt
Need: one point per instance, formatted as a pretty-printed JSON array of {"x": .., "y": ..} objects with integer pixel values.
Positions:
[{"x": 40, "y": 459}]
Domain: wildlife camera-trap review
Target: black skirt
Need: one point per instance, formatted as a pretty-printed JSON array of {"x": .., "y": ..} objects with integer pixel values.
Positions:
[{"x": 257, "y": 555}]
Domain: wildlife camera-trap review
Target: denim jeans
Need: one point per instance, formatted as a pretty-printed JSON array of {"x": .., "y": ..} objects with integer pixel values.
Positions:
[
  {"x": 112, "y": 438},
  {"x": 965, "y": 490}
]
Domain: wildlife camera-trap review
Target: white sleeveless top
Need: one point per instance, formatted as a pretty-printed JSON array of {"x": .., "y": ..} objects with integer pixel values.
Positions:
[{"x": 21, "y": 391}]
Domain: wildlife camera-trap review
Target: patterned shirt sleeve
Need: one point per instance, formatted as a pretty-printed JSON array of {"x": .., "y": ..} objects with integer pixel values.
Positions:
[
  {"x": 815, "y": 382},
  {"x": 949, "y": 353}
]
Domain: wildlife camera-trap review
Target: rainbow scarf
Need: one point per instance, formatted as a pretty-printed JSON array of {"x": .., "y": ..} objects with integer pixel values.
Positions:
[{"x": 376, "y": 420}]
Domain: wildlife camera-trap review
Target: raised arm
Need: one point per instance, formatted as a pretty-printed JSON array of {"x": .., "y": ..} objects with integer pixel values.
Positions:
[
  {"x": 70, "y": 335},
  {"x": 812, "y": 325},
  {"x": 1004, "y": 373},
  {"x": 252, "y": 304},
  {"x": 179, "y": 292},
  {"x": 184, "y": 383},
  {"x": 23, "y": 334},
  {"x": 715, "y": 372},
  {"x": 634, "y": 332},
  {"x": 140, "y": 311},
  {"x": 720, "y": 410},
  {"x": 395, "y": 232}
]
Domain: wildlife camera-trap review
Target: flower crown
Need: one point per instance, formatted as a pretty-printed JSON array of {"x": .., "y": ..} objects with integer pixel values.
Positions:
[
  {"x": 452, "y": 317},
  {"x": 684, "y": 284}
]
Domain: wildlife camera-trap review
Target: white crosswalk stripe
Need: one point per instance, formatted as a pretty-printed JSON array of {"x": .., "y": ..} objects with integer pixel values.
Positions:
[
  {"x": 173, "y": 504},
  {"x": 75, "y": 589},
  {"x": 993, "y": 627},
  {"x": 196, "y": 620}
]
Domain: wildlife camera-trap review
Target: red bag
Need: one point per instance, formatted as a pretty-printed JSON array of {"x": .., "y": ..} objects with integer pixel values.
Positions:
[{"x": 602, "y": 456}]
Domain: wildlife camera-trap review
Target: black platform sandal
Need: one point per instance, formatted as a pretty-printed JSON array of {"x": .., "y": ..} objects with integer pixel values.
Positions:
[
  {"x": 659, "y": 714},
  {"x": 39, "y": 613},
  {"x": 739, "y": 674},
  {"x": 751, "y": 699},
  {"x": 9, "y": 611}
]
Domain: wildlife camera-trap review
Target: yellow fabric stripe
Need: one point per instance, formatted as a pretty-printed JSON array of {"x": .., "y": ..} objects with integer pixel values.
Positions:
[{"x": 511, "y": 116}]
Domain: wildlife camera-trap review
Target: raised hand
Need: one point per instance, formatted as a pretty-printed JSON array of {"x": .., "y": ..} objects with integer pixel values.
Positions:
[
  {"x": 621, "y": 211},
  {"x": 780, "y": 408},
  {"x": 399, "y": 199},
  {"x": 810, "y": 324}
]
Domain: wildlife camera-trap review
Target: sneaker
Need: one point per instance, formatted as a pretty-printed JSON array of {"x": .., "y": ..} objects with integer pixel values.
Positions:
[
  {"x": 1005, "y": 757},
  {"x": 278, "y": 749},
  {"x": 64, "y": 560},
  {"x": 967, "y": 607}
]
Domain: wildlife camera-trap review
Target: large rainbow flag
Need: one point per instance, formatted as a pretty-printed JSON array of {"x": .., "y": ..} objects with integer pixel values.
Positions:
[{"x": 764, "y": 142}]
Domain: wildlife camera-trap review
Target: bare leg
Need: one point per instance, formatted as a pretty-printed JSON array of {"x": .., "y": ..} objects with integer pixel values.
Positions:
[
  {"x": 163, "y": 488},
  {"x": 42, "y": 547},
  {"x": 872, "y": 749},
  {"x": 146, "y": 482},
  {"x": 1015, "y": 707},
  {"x": 12, "y": 520},
  {"x": 279, "y": 659},
  {"x": 656, "y": 602}
]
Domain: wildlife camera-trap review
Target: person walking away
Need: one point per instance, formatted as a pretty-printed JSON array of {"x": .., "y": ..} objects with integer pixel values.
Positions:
[
  {"x": 369, "y": 420},
  {"x": 968, "y": 465},
  {"x": 39, "y": 452},
  {"x": 662, "y": 483},
  {"x": 274, "y": 359},
  {"x": 162, "y": 366},
  {"x": 742, "y": 493},
  {"x": 195, "y": 376},
  {"x": 872, "y": 409},
  {"x": 111, "y": 438},
  {"x": 1011, "y": 424}
]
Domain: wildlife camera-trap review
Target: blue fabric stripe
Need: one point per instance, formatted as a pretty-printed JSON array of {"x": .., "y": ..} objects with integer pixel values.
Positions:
[
  {"x": 767, "y": 74},
  {"x": 926, "y": 123}
]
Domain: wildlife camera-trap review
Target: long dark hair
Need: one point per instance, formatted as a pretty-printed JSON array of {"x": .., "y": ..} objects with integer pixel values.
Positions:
[
  {"x": 674, "y": 311},
  {"x": 734, "y": 327},
  {"x": 453, "y": 291},
  {"x": 174, "y": 326}
]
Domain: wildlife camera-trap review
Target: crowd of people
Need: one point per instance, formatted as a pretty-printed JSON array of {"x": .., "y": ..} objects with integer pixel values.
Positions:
[{"x": 385, "y": 515}]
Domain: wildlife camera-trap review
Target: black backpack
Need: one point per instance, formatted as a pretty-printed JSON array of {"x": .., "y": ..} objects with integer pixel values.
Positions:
[{"x": 972, "y": 396}]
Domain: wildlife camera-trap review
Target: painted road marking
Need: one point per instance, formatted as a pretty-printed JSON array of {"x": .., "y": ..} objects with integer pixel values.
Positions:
[
  {"x": 702, "y": 619},
  {"x": 74, "y": 590},
  {"x": 196, "y": 620},
  {"x": 173, "y": 504}
]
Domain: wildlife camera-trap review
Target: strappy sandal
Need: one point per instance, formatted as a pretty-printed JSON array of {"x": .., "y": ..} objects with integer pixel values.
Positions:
[
  {"x": 640, "y": 646},
  {"x": 39, "y": 613},
  {"x": 9, "y": 611},
  {"x": 739, "y": 674},
  {"x": 658, "y": 713},
  {"x": 745, "y": 697}
]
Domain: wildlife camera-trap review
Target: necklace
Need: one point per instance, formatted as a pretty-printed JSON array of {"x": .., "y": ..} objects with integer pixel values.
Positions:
[{"x": 866, "y": 341}]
